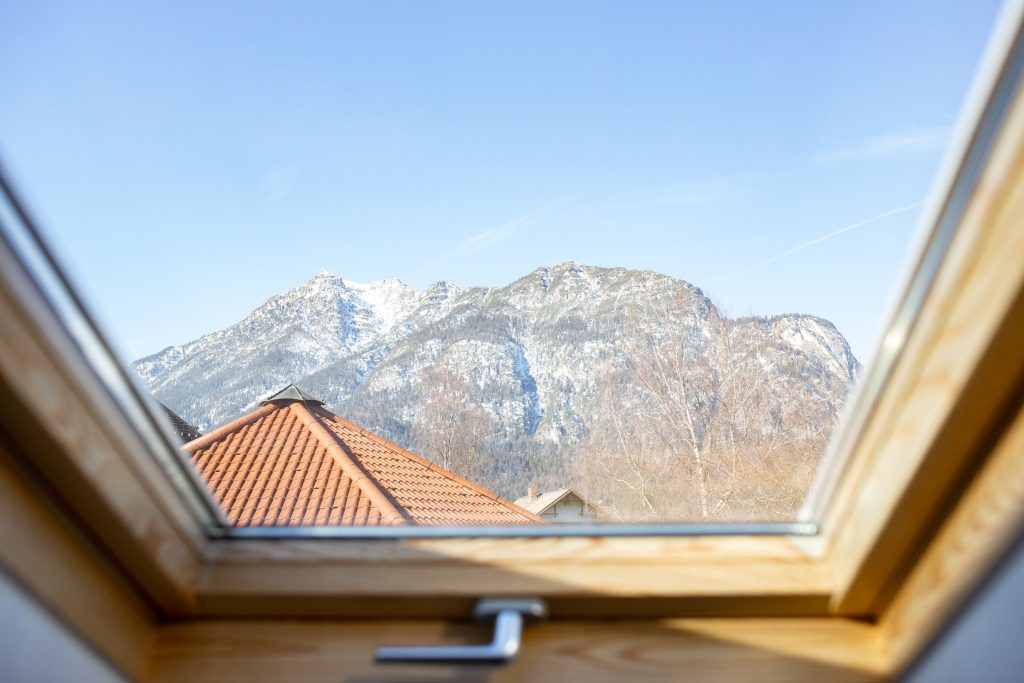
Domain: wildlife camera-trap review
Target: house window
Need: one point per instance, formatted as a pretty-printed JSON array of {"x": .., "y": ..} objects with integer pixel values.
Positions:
[{"x": 639, "y": 284}]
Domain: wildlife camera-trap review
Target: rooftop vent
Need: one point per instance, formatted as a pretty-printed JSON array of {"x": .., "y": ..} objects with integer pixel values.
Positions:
[{"x": 292, "y": 393}]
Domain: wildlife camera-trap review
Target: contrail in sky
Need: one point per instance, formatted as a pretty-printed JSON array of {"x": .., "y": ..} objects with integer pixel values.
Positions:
[{"x": 818, "y": 240}]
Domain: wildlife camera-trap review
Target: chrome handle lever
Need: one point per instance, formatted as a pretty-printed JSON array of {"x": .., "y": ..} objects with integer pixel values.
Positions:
[{"x": 509, "y": 616}]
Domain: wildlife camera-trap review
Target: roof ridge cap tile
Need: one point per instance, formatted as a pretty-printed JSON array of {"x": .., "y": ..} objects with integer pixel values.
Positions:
[
  {"x": 391, "y": 515},
  {"x": 437, "y": 468},
  {"x": 225, "y": 429},
  {"x": 562, "y": 493}
]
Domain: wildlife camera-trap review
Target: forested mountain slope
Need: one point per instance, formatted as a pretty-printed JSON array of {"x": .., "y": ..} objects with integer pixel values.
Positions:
[{"x": 626, "y": 384}]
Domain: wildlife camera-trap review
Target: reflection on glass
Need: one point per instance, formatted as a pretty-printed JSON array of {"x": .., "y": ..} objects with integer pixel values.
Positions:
[{"x": 584, "y": 264}]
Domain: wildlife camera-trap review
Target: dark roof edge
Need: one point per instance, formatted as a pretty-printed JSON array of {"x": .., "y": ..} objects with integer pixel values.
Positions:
[{"x": 291, "y": 393}]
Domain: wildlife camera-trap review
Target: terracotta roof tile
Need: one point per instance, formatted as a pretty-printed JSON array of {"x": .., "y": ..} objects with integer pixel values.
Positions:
[{"x": 295, "y": 463}]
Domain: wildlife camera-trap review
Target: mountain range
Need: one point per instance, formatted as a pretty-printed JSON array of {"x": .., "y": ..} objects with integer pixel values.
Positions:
[{"x": 526, "y": 372}]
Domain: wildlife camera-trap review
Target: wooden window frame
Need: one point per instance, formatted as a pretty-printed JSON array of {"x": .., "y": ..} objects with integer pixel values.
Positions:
[{"x": 931, "y": 492}]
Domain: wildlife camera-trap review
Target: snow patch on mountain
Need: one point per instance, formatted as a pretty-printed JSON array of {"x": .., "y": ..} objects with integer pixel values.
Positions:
[{"x": 535, "y": 351}]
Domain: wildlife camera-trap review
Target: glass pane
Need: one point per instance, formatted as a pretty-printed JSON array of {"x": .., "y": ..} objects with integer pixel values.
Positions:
[{"x": 523, "y": 264}]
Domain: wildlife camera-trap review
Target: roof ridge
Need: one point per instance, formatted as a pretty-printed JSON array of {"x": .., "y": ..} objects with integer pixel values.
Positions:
[
  {"x": 292, "y": 393},
  {"x": 437, "y": 468},
  {"x": 219, "y": 433},
  {"x": 390, "y": 514},
  {"x": 562, "y": 493}
]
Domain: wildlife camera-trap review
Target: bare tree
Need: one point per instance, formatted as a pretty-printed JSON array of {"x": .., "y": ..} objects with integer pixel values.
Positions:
[
  {"x": 618, "y": 455},
  {"x": 452, "y": 424},
  {"x": 690, "y": 427}
]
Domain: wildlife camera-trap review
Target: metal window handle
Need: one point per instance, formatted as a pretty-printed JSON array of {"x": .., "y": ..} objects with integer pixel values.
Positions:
[{"x": 509, "y": 614}]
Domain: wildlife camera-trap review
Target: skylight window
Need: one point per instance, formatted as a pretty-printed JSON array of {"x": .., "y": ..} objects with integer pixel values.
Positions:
[{"x": 409, "y": 272}]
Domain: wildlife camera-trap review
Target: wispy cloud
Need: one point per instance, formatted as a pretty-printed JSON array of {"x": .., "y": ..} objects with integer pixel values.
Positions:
[
  {"x": 276, "y": 184},
  {"x": 491, "y": 236},
  {"x": 822, "y": 238},
  {"x": 902, "y": 145}
]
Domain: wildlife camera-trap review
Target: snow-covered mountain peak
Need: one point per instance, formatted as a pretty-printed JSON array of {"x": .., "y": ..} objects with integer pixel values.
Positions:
[
  {"x": 536, "y": 355},
  {"x": 321, "y": 284},
  {"x": 441, "y": 287},
  {"x": 390, "y": 300}
]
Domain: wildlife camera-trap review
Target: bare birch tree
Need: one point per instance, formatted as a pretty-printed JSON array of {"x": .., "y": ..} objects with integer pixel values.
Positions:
[
  {"x": 452, "y": 424},
  {"x": 690, "y": 427}
]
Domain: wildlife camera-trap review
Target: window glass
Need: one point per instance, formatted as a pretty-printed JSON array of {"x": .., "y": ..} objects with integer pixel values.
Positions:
[{"x": 489, "y": 264}]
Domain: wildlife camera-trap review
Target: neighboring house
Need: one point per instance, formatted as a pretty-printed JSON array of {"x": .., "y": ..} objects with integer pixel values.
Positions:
[
  {"x": 562, "y": 506},
  {"x": 186, "y": 431},
  {"x": 293, "y": 462}
]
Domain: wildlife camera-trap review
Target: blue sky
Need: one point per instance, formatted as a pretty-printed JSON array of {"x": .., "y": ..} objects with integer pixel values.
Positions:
[{"x": 192, "y": 159}]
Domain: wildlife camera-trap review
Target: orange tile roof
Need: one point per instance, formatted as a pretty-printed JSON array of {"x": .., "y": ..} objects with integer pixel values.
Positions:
[{"x": 293, "y": 462}]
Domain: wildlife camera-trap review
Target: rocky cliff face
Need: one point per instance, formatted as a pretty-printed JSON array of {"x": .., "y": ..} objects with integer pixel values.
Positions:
[{"x": 537, "y": 359}]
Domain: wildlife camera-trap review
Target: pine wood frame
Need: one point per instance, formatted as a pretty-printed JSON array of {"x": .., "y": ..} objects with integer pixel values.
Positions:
[{"x": 931, "y": 497}]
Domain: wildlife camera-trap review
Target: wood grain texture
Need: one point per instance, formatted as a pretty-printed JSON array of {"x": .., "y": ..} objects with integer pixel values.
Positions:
[
  {"x": 61, "y": 570},
  {"x": 678, "y": 576},
  {"x": 961, "y": 365},
  {"x": 76, "y": 437},
  {"x": 783, "y": 650},
  {"x": 987, "y": 520}
]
